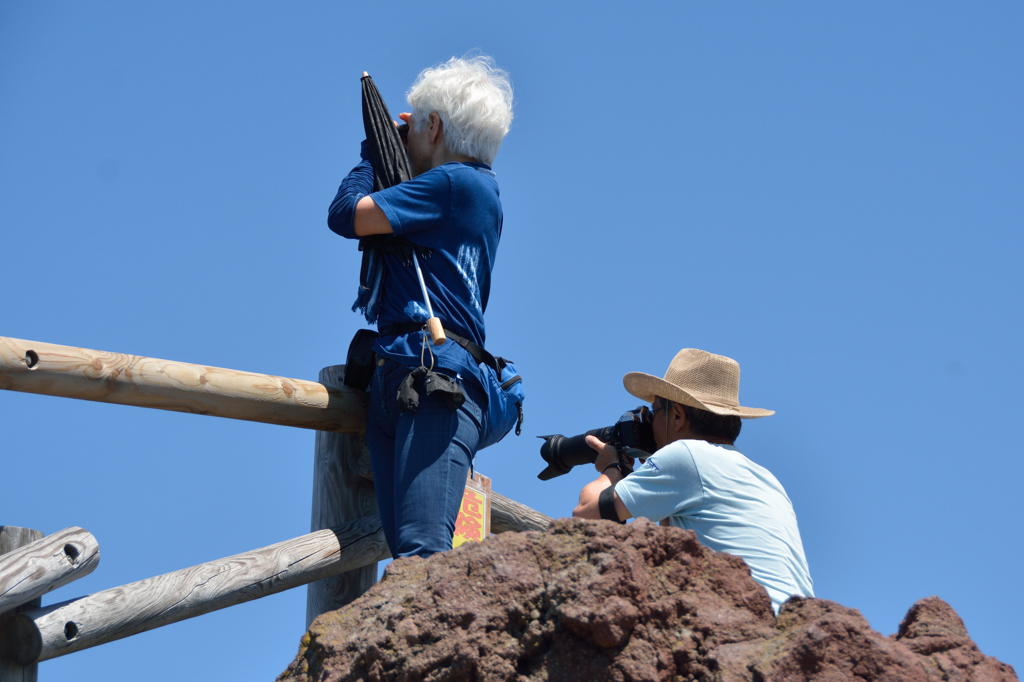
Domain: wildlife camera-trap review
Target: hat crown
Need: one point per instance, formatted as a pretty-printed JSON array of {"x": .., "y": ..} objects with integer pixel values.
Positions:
[{"x": 707, "y": 375}]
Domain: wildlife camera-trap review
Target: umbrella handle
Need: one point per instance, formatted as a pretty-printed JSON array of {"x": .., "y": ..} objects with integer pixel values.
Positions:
[
  {"x": 433, "y": 324},
  {"x": 436, "y": 331}
]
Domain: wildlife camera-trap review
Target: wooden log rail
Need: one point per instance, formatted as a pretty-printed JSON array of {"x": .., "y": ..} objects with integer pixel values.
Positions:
[
  {"x": 68, "y": 372},
  {"x": 507, "y": 515},
  {"x": 44, "y": 565},
  {"x": 40, "y": 634},
  {"x": 52, "y": 631},
  {"x": 60, "y": 629}
]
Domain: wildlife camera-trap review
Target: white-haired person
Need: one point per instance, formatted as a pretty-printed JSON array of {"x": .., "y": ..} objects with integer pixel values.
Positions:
[
  {"x": 451, "y": 213},
  {"x": 697, "y": 479}
]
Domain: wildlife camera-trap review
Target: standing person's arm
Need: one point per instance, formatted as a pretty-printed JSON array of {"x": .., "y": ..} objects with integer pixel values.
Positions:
[
  {"x": 353, "y": 212},
  {"x": 370, "y": 219}
]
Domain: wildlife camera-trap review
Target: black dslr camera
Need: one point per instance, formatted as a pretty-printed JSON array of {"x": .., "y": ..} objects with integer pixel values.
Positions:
[{"x": 632, "y": 435}]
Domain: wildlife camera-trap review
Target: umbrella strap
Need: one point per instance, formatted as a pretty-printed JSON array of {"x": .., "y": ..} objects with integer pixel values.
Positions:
[{"x": 387, "y": 244}]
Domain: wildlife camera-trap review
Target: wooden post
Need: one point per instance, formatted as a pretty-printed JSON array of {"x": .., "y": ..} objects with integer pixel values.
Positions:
[
  {"x": 12, "y": 538},
  {"x": 45, "y": 633},
  {"x": 68, "y": 372},
  {"x": 342, "y": 491},
  {"x": 44, "y": 565}
]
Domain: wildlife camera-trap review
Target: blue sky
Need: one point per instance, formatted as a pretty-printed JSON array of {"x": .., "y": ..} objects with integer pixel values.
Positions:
[{"x": 829, "y": 193}]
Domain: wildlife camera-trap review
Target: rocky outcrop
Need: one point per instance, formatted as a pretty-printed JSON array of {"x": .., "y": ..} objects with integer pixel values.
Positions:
[
  {"x": 934, "y": 632},
  {"x": 592, "y": 600}
]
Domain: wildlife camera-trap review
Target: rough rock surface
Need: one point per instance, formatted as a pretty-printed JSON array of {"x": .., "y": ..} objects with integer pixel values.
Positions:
[{"x": 593, "y": 600}]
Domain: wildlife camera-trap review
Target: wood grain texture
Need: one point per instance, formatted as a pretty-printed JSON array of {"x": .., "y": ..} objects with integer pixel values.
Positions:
[
  {"x": 508, "y": 515},
  {"x": 44, "y": 565},
  {"x": 60, "y": 629},
  {"x": 65, "y": 371},
  {"x": 341, "y": 493},
  {"x": 13, "y": 538}
]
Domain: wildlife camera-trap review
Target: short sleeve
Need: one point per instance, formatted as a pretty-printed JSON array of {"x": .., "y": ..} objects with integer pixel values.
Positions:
[
  {"x": 667, "y": 483},
  {"x": 419, "y": 204}
]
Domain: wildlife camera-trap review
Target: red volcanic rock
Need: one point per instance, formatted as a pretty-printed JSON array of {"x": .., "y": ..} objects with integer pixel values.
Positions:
[
  {"x": 933, "y": 631},
  {"x": 593, "y": 600},
  {"x": 821, "y": 640}
]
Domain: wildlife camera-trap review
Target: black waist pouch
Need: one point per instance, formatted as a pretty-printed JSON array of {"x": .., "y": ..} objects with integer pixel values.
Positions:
[{"x": 361, "y": 360}]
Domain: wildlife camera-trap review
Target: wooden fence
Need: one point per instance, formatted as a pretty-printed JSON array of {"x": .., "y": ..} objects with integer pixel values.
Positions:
[{"x": 338, "y": 559}]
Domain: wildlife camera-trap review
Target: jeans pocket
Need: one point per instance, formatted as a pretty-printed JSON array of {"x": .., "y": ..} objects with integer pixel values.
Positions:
[
  {"x": 388, "y": 377},
  {"x": 381, "y": 391}
]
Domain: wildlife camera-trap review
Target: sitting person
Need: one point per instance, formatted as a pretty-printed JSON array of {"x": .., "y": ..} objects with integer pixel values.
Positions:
[{"x": 697, "y": 479}]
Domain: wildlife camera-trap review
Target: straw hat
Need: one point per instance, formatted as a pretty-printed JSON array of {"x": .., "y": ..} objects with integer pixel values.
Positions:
[{"x": 698, "y": 379}]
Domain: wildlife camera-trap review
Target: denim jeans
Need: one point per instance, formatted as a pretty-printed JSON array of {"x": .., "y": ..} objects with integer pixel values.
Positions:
[{"x": 420, "y": 460}]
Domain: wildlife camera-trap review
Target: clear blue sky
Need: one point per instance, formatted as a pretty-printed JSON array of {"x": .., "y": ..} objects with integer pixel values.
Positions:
[{"x": 829, "y": 193}]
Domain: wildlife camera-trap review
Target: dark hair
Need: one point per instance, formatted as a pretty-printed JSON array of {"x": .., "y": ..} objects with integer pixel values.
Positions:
[{"x": 711, "y": 425}]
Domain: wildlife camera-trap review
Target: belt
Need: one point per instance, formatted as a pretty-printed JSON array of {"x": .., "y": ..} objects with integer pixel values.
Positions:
[{"x": 474, "y": 349}]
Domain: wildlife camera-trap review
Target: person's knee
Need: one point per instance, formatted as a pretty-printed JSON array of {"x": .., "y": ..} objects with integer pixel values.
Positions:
[{"x": 423, "y": 538}]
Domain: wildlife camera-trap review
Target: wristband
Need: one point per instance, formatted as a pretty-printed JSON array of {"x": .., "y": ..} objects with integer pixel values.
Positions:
[
  {"x": 606, "y": 505},
  {"x": 617, "y": 465}
]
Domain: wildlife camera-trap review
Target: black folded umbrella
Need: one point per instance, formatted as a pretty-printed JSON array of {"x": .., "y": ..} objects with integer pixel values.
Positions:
[
  {"x": 390, "y": 167},
  {"x": 387, "y": 153}
]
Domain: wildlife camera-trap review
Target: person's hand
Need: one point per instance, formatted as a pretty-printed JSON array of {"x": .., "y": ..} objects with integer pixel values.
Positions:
[
  {"x": 606, "y": 454},
  {"x": 403, "y": 129}
]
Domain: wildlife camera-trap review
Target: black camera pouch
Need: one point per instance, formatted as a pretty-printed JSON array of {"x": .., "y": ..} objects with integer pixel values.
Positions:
[
  {"x": 446, "y": 388},
  {"x": 361, "y": 360}
]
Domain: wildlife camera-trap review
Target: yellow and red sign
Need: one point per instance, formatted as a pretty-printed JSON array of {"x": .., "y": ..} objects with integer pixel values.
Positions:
[{"x": 473, "y": 523}]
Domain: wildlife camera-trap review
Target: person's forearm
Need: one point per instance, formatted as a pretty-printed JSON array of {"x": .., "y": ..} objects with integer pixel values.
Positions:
[
  {"x": 588, "y": 504},
  {"x": 356, "y": 185}
]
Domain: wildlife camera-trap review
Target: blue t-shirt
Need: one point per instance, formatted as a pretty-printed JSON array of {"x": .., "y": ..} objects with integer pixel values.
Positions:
[
  {"x": 733, "y": 504},
  {"x": 455, "y": 211}
]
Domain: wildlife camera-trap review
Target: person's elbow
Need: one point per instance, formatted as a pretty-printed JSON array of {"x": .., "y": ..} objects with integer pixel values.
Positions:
[
  {"x": 587, "y": 507},
  {"x": 354, "y": 218},
  {"x": 340, "y": 218},
  {"x": 586, "y": 511}
]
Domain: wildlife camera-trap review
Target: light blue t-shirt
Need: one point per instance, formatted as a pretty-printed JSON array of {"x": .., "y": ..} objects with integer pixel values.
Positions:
[{"x": 733, "y": 504}]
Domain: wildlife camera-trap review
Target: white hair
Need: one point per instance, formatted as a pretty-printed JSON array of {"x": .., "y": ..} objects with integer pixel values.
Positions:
[{"x": 473, "y": 98}]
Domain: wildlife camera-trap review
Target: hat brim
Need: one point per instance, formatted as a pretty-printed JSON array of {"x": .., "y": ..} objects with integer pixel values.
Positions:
[{"x": 647, "y": 387}]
